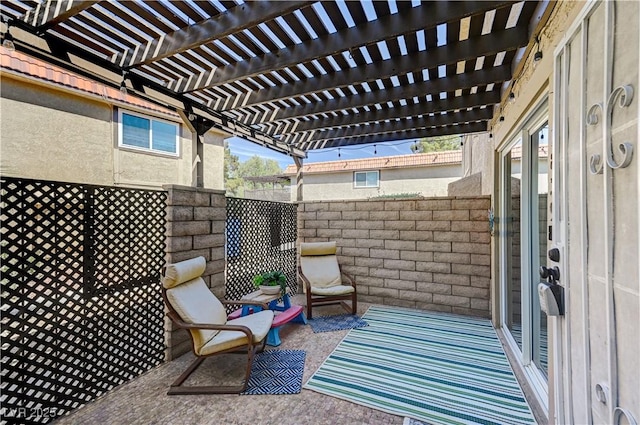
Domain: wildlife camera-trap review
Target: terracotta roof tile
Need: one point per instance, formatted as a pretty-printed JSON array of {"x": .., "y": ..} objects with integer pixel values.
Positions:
[
  {"x": 385, "y": 162},
  {"x": 35, "y": 68}
]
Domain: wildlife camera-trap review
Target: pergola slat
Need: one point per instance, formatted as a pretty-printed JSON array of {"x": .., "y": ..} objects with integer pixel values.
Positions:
[
  {"x": 477, "y": 78},
  {"x": 395, "y": 126},
  {"x": 461, "y": 102},
  {"x": 294, "y": 74},
  {"x": 460, "y": 51},
  {"x": 477, "y": 127},
  {"x": 50, "y": 13},
  {"x": 368, "y": 33},
  {"x": 217, "y": 27}
]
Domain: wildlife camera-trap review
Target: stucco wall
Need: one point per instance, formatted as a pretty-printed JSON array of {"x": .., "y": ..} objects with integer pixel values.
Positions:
[
  {"x": 52, "y": 134},
  {"x": 477, "y": 157},
  {"x": 424, "y": 181}
]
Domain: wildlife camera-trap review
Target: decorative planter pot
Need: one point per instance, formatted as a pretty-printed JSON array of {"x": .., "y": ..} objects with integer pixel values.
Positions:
[{"x": 270, "y": 290}]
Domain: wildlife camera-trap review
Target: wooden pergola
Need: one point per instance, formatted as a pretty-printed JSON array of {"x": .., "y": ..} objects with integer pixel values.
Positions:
[{"x": 294, "y": 75}]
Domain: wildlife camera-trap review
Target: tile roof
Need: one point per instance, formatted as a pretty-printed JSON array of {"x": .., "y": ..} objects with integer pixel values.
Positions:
[
  {"x": 20, "y": 63},
  {"x": 516, "y": 152},
  {"x": 385, "y": 162}
]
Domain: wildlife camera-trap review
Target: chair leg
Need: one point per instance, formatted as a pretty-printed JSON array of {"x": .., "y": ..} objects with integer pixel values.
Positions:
[
  {"x": 192, "y": 367},
  {"x": 177, "y": 388}
]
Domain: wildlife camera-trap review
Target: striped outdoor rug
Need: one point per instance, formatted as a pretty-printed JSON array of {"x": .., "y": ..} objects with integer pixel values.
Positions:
[{"x": 437, "y": 368}]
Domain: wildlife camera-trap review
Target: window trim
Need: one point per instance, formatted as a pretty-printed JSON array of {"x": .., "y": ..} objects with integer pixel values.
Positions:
[
  {"x": 150, "y": 150},
  {"x": 355, "y": 173}
]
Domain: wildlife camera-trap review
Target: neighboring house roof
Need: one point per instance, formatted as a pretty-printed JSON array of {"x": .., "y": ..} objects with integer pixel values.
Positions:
[
  {"x": 516, "y": 152},
  {"x": 385, "y": 162},
  {"x": 18, "y": 63}
]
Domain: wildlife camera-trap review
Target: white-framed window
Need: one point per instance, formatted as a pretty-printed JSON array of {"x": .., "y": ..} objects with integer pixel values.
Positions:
[
  {"x": 366, "y": 179},
  {"x": 148, "y": 134}
]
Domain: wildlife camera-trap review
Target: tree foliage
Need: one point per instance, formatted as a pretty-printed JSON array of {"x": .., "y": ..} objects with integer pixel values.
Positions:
[
  {"x": 235, "y": 172},
  {"x": 437, "y": 144},
  {"x": 232, "y": 181},
  {"x": 256, "y": 167}
]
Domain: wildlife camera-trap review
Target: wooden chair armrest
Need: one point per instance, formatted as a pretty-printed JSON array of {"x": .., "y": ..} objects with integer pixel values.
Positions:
[
  {"x": 265, "y": 306},
  {"x": 352, "y": 281},
  {"x": 184, "y": 325},
  {"x": 306, "y": 282}
]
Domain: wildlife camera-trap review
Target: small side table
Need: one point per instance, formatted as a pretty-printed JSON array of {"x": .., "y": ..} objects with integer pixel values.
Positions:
[{"x": 285, "y": 312}]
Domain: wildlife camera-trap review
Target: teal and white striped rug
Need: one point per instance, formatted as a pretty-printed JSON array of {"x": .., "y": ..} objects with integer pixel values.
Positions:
[{"x": 433, "y": 367}]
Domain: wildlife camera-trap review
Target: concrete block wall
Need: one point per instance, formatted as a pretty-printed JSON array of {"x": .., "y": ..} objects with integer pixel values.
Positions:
[
  {"x": 427, "y": 253},
  {"x": 196, "y": 220}
]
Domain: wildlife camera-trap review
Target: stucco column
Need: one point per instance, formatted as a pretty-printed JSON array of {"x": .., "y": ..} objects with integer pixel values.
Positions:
[
  {"x": 299, "y": 164},
  {"x": 203, "y": 132}
]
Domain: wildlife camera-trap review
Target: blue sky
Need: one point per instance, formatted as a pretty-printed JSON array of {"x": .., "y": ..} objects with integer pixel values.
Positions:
[{"x": 245, "y": 150}]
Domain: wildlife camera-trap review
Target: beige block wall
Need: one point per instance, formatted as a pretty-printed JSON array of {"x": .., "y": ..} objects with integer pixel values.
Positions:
[
  {"x": 195, "y": 227},
  {"x": 54, "y": 134},
  {"x": 430, "y": 254},
  {"x": 425, "y": 181}
]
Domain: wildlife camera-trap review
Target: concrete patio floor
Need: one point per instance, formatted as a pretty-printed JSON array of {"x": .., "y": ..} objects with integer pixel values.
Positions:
[{"x": 145, "y": 401}]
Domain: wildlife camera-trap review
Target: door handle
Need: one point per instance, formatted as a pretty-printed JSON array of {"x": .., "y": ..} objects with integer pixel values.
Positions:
[{"x": 552, "y": 274}]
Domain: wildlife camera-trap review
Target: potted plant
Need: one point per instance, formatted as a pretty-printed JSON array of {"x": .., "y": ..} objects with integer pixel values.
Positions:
[{"x": 271, "y": 283}]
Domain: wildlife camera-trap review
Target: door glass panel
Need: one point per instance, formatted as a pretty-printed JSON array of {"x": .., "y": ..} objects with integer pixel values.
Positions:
[
  {"x": 540, "y": 151},
  {"x": 512, "y": 248}
]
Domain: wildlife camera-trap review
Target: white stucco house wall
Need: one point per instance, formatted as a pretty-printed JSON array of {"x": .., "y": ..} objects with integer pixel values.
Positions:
[
  {"x": 425, "y": 174},
  {"x": 55, "y": 125}
]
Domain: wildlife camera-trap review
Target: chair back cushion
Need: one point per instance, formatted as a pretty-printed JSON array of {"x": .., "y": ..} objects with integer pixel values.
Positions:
[
  {"x": 184, "y": 271},
  {"x": 319, "y": 264},
  {"x": 192, "y": 300}
]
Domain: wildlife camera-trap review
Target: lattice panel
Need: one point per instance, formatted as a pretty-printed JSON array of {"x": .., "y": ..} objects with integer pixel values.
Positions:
[
  {"x": 261, "y": 237},
  {"x": 81, "y": 307}
]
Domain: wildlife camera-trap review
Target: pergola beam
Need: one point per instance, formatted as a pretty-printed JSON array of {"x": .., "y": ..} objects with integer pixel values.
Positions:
[
  {"x": 51, "y": 12},
  {"x": 389, "y": 26},
  {"x": 478, "y": 127},
  {"x": 438, "y": 105},
  {"x": 469, "y": 49},
  {"x": 232, "y": 21},
  {"x": 76, "y": 59},
  {"x": 447, "y": 84},
  {"x": 396, "y": 126}
]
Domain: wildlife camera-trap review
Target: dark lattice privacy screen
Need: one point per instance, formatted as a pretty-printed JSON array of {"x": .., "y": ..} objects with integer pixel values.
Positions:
[
  {"x": 261, "y": 237},
  {"x": 81, "y": 304}
]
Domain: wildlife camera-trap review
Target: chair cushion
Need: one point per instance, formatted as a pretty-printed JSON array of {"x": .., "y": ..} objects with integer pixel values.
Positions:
[
  {"x": 322, "y": 271},
  {"x": 259, "y": 323},
  {"x": 317, "y": 248},
  {"x": 184, "y": 271},
  {"x": 332, "y": 290},
  {"x": 195, "y": 303}
]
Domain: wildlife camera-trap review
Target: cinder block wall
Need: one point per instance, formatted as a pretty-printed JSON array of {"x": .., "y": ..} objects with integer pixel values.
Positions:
[
  {"x": 432, "y": 254},
  {"x": 195, "y": 227}
]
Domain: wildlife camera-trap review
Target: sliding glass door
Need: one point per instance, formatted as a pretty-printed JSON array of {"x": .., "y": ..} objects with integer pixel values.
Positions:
[{"x": 523, "y": 245}]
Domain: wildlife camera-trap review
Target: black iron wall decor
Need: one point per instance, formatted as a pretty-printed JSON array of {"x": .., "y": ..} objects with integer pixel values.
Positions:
[
  {"x": 81, "y": 305},
  {"x": 261, "y": 237}
]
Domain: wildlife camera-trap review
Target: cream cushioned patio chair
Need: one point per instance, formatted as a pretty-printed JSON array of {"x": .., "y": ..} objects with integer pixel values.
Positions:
[
  {"x": 193, "y": 307},
  {"x": 322, "y": 277}
]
